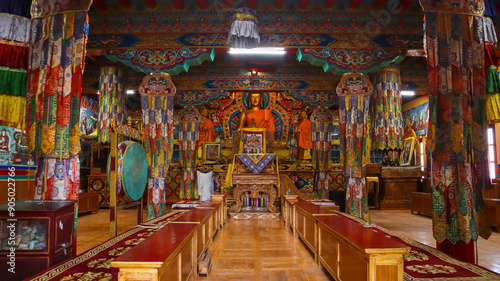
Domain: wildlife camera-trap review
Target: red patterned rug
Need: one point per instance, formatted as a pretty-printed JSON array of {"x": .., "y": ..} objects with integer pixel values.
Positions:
[
  {"x": 95, "y": 264},
  {"x": 424, "y": 263}
]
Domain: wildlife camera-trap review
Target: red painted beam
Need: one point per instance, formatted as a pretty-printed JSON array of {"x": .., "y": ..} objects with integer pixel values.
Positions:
[
  {"x": 303, "y": 4},
  {"x": 100, "y": 5},
  {"x": 228, "y": 4},
  {"x": 179, "y": 4},
  {"x": 355, "y": 4},
  {"x": 151, "y": 4},
  {"x": 329, "y": 4},
  {"x": 125, "y": 4},
  {"x": 379, "y": 4},
  {"x": 253, "y": 4},
  {"x": 278, "y": 4},
  {"x": 403, "y": 5},
  {"x": 203, "y": 4}
]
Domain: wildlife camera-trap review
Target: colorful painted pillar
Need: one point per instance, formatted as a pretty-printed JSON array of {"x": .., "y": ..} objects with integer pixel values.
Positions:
[
  {"x": 157, "y": 98},
  {"x": 456, "y": 140},
  {"x": 111, "y": 102},
  {"x": 58, "y": 44},
  {"x": 387, "y": 130},
  {"x": 189, "y": 129},
  {"x": 354, "y": 91},
  {"x": 321, "y": 135}
]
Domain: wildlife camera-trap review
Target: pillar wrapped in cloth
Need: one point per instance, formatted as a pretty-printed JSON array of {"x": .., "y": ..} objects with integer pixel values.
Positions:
[
  {"x": 189, "y": 129},
  {"x": 457, "y": 121},
  {"x": 354, "y": 91},
  {"x": 111, "y": 102},
  {"x": 157, "y": 98},
  {"x": 387, "y": 130},
  {"x": 321, "y": 135}
]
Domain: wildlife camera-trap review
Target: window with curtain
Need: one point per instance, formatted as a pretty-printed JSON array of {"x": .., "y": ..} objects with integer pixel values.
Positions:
[{"x": 492, "y": 163}]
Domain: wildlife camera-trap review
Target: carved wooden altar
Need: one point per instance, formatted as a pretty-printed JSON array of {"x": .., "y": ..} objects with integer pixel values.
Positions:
[{"x": 255, "y": 185}]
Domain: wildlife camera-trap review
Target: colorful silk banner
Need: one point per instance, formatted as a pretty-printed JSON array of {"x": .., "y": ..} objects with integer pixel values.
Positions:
[
  {"x": 457, "y": 119},
  {"x": 354, "y": 92},
  {"x": 157, "y": 98},
  {"x": 189, "y": 129},
  {"x": 15, "y": 28},
  {"x": 56, "y": 67},
  {"x": 321, "y": 135},
  {"x": 111, "y": 102},
  {"x": 387, "y": 130}
]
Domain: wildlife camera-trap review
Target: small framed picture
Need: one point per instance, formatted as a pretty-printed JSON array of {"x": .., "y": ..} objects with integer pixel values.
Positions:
[
  {"x": 407, "y": 152},
  {"x": 211, "y": 152}
]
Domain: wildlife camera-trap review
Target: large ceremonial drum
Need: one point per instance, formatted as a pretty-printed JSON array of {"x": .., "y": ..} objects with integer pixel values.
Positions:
[{"x": 132, "y": 170}]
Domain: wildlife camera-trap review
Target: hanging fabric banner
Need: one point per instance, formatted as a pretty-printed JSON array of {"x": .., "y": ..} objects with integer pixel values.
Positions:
[
  {"x": 111, "y": 102},
  {"x": 456, "y": 141},
  {"x": 387, "y": 130},
  {"x": 189, "y": 129},
  {"x": 354, "y": 92},
  {"x": 157, "y": 99},
  {"x": 321, "y": 135}
]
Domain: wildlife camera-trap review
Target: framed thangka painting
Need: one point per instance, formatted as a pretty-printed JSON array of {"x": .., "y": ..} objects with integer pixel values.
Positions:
[
  {"x": 211, "y": 152},
  {"x": 407, "y": 152}
]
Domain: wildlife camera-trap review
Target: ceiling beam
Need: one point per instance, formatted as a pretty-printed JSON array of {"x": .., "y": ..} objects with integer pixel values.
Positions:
[
  {"x": 278, "y": 4},
  {"x": 303, "y": 4},
  {"x": 329, "y": 4},
  {"x": 355, "y": 4},
  {"x": 125, "y": 3},
  {"x": 179, "y": 4},
  {"x": 151, "y": 4},
  {"x": 100, "y": 5},
  {"x": 403, "y": 5},
  {"x": 93, "y": 59},
  {"x": 379, "y": 4},
  {"x": 203, "y": 4},
  {"x": 253, "y": 4}
]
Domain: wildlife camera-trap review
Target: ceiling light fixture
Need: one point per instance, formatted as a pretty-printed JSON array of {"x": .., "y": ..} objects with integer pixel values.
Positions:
[
  {"x": 407, "y": 93},
  {"x": 257, "y": 51},
  {"x": 130, "y": 92}
]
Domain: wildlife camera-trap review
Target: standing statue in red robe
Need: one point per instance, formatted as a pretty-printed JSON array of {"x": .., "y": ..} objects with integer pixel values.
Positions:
[
  {"x": 304, "y": 135},
  {"x": 207, "y": 131}
]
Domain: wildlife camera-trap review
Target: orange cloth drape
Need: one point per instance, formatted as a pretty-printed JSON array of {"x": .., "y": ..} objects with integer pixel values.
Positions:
[{"x": 263, "y": 119}]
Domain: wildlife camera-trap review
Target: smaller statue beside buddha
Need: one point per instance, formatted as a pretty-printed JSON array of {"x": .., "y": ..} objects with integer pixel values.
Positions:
[
  {"x": 207, "y": 130},
  {"x": 410, "y": 133},
  {"x": 263, "y": 118},
  {"x": 304, "y": 136}
]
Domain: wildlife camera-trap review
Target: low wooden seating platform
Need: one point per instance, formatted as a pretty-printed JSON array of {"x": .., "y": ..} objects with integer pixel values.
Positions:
[
  {"x": 172, "y": 252},
  {"x": 347, "y": 249}
]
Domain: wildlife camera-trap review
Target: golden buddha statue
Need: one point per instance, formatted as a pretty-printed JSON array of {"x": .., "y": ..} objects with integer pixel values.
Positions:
[
  {"x": 263, "y": 118},
  {"x": 303, "y": 135}
]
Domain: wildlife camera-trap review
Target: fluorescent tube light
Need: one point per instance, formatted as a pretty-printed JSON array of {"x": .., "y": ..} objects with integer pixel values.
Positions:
[
  {"x": 407, "y": 93},
  {"x": 257, "y": 51},
  {"x": 130, "y": 92}
]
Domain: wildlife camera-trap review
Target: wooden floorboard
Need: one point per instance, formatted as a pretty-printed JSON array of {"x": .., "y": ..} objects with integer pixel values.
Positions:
[{"x": 266, "y": 250}]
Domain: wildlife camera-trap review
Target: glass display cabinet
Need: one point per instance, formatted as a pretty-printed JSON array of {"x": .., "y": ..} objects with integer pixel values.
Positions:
[{"x": 34, "y": 235}]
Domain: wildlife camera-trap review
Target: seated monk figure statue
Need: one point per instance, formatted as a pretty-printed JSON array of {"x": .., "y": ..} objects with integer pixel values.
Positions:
[
  {"x": 303, "y": 135},
  {"x": 263, "y": 118},
  {"x": 207, "y": 131}
]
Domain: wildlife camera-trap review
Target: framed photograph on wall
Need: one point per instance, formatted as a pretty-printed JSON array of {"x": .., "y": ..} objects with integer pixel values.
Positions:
[
  {"x": 211, "y": 152},
  {"x": 407, "y": 153}
]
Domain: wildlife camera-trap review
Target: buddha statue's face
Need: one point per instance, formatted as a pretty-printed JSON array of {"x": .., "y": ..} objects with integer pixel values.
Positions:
[
  {"x": 204, "y": 112},
  {"x": 255, "y": 100}
]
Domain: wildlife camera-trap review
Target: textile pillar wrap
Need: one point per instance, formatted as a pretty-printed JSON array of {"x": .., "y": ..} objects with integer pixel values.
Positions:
[
  {"x": 387, "y": 130},
  {"x": 188, "y": 137},
  {"x": 457, "y": 142},
  {"x": 354, "y": 92},
  {"x": 157, "y": 99},
  {"x": 111, "y": 102},
  {"x": 321, "y": 136}
]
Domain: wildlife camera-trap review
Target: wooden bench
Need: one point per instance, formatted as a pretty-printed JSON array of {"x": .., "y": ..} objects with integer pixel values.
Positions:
[
  {"x": 421, "y": 202},
  {"x": 347, "y": 249},
  {"x": 492, "y": 211}
]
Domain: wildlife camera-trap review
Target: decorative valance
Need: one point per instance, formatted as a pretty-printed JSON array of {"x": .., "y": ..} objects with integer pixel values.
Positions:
[{"x": 244, "y": 31}]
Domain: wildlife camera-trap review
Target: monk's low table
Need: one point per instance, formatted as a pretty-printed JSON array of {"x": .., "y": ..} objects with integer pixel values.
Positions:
[{"x": 255, "y": 186}]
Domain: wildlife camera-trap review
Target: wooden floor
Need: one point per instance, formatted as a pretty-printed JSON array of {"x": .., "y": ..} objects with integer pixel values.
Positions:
[{"x": 266, "y": 250}]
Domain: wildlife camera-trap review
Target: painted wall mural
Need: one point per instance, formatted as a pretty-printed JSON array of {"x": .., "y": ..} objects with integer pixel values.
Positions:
[
  {"x": 418, "y": 117},
  {"x": 14, "y": 147},
  {"x": 89, "y": 109}
]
